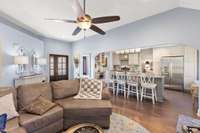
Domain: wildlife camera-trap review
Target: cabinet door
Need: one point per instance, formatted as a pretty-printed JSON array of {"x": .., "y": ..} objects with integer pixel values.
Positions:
[
  {"x": 133, "y": 59},
  {"x": 116, "y": 59}
]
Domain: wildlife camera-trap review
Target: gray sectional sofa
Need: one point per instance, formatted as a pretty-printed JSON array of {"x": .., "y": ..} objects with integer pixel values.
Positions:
[{"x": 66, "y": 113}]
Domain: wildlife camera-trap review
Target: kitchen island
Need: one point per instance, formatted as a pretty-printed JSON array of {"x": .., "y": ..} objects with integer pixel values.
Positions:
[{"x": 159, "y": 80}]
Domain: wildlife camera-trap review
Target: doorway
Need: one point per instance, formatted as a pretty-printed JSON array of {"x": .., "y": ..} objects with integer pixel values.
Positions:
[{"x": 58, "y": 67}]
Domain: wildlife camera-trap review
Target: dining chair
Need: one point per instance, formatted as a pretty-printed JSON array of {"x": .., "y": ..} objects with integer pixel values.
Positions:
[
  {"x": 132, "y": 82},
  {"x": 121, "y": 83},
  {"x": 148, "y": 87}
]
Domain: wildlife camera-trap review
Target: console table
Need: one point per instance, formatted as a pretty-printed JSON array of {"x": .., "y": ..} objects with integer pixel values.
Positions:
[{"x": 29, "y": 80}]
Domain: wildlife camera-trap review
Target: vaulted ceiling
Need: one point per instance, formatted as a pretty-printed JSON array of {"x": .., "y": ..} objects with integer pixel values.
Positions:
[{"x": 31, "y": 14}]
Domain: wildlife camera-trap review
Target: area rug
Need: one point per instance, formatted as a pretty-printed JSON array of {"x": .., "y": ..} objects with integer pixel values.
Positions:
[{"x": 122, "y": 124}]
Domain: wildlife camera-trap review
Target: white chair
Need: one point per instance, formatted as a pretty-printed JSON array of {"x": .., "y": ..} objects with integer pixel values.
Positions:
[
  {"x": 132, "y": 82},
  {"x": 112, "y": 84},
  {"x": 121, "y": 83},
  {"x": 148, "y": 87}
]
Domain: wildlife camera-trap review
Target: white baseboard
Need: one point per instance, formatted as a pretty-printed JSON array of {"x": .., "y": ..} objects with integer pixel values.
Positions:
[{"x": 198, "y": 113}]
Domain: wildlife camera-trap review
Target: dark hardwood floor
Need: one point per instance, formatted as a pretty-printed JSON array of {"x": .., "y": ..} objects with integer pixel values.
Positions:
[{"x": 158, "y": 118}]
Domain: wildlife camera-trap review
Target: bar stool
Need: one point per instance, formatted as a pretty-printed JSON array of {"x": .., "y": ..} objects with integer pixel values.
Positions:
[
  {"x": 132, "y": 82},
  {"x": 147, "y": 84},
  {"x": 112, "y": 82},
  {"x": 121, "y": 83}
]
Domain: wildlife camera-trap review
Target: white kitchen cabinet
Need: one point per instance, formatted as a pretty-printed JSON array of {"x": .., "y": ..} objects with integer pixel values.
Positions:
[
  {"x": 116, "y": 59},
  {"x": 133, "y": 59}
]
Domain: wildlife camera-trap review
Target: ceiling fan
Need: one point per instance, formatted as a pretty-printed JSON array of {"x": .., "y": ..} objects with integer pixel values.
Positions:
[{"x": 85, "y": 21}]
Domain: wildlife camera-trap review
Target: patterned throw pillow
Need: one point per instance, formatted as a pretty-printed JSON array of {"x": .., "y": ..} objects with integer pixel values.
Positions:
[
  {"x": 39, "y": 106},
  {"x": 90, "y": 89}
]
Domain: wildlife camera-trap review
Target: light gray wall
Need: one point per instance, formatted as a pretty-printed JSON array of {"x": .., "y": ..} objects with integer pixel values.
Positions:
[
  {"x": 178, "y": 26},
  {"x": 61, "y": 48},
  {"x": 10, "y": 40}
]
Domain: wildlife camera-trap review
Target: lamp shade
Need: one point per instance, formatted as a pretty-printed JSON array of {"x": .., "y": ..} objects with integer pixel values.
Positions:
[
  {"x": 42, "y": 61},
  {"x": 21, "y": 60}
]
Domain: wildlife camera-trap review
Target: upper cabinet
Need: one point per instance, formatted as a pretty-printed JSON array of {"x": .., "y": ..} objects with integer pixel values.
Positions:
[
  {"x": 116, "y": 59},
  {"x": 133, "y": 59}
]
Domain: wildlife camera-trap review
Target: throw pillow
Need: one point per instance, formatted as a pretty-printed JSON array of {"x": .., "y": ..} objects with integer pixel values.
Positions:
[
  {"x": 7, "y": 106},
  {"x": 3, "y": 119},
  {"x": 90, "y": 89},
  {"x": 39, "y": 106}
]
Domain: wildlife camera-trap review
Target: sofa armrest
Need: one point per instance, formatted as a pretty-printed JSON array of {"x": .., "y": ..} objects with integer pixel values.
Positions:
[{"x": 106, "y": 95}]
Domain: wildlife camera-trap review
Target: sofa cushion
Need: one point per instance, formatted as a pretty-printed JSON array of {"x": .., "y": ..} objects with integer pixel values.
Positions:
[
  {"x": 39, "y": 106},
  {"x": 56, "y": 127},
  {"x": 65, "y": 88},
  {"x": 28, "y": 93},
  {"x": 76, "y": 108},
  {"x": 7, "y": 90},
  {"x": 35, "y": 122}
]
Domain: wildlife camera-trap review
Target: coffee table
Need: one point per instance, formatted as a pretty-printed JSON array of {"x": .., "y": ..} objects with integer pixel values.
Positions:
[{"x": 85, "y": 128}]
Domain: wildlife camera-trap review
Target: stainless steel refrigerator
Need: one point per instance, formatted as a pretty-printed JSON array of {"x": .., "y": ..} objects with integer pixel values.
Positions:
[{"x": 172, "y": 68}]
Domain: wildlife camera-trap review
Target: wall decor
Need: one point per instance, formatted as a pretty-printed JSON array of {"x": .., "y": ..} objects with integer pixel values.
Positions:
[
  {"x": 33, "y": 61},
  {"x": 21, "y": 59},
  {"x": 76, "y": 61}
]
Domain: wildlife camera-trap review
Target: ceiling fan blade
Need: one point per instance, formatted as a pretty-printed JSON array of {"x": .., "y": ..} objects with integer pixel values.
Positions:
[
  {"x": 97, "y": 29},
  {"x": 77, "y": 8},
  {"x": 105, "y": 19},
  {"x": 76, "y": 31},
  {"x": 61, "y": 20}
]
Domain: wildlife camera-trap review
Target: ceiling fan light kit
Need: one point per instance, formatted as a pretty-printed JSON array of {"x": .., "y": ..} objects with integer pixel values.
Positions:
[{"x": 85, "y": 21}]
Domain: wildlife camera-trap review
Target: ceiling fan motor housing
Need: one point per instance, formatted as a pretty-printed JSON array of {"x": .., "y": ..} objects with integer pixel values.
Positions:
[{"x": 84, "y": 22}]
